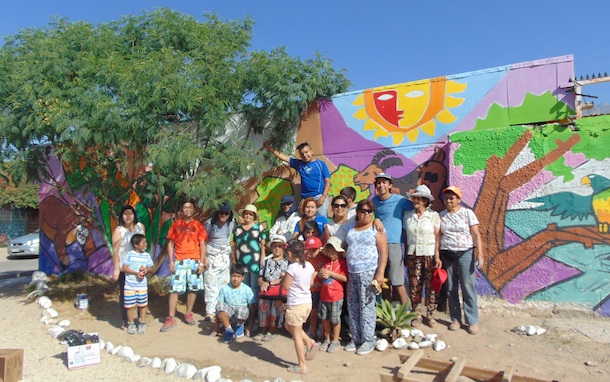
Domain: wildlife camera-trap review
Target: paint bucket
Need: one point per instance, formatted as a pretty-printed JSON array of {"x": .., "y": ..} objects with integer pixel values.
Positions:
[{"x": 82, "y": 301}]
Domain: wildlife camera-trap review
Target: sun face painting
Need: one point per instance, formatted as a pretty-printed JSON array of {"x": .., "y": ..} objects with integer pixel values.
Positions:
[{"x": 404, "y": 109}]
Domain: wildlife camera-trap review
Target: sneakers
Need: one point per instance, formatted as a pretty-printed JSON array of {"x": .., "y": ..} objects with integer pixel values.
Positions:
[
  {"x": 455, "y": 325},
  {"x": 170, "y": 322},
  {"x": 365, "y": 348},
  {"x": 351, "y": 346},
  {"x": 239, "y": 331},
  {"x": 324, "y": 345},
  {"x": 333, "y": 347},
  {"x": 131, "y": 328},
  {"x": 141, "y": 328},
  {"x": 229, "y": 334},
  {"x": 188, "y": 318},
  {"x": 211, "y": 317}
]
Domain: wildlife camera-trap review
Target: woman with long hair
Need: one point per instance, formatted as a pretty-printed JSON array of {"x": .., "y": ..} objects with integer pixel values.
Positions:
[
  {"x": 309, "y": 212},
  {"x": 121, "y": 244}
]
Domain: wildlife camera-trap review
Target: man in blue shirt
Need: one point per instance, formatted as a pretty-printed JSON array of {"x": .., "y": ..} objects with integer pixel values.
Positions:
[
  {"x": 390, "y": 210},
  {"x": 315, "y": 177}
]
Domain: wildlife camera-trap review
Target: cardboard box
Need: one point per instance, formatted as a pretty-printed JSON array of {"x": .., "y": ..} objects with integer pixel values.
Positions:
[
  {"x": 11, "y": 365},
  {"x": 83, "y": 355}
]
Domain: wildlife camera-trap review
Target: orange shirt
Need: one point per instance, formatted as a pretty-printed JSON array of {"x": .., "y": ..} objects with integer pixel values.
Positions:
[{"x": 186, "y": 237}]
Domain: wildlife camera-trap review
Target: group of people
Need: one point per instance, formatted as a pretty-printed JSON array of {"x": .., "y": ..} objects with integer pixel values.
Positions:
[{"x": 315, "y": 263}]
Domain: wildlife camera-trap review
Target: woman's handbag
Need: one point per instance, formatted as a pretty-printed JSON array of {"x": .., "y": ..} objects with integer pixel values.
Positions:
[{"x": 274, "y": 292}]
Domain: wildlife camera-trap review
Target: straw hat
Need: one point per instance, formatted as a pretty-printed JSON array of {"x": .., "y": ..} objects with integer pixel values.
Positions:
[{"x": 251, "y": 208}]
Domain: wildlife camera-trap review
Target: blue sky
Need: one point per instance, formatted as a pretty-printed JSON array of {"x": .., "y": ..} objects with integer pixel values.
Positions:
[{"x": 383, "y": 42}]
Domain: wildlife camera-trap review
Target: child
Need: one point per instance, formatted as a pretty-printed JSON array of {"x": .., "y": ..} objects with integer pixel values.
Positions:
[
  {"x": 136, "y": 265},
  {"x": 310, "y": 229},
  {"x": 349, "y": 193},
  {"x": 313, "y": 247},
  {"x": 235, "y": 301},
  {"x": 334, "y": 276},
  {"x": 297, "y": 281}
]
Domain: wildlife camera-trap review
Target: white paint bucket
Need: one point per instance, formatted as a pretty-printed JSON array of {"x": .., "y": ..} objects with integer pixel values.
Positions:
[{"x": 82, "y": 301}]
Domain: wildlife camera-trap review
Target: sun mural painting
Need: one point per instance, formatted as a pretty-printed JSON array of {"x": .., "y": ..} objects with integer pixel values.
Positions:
[{"x": 401, "y": 111}]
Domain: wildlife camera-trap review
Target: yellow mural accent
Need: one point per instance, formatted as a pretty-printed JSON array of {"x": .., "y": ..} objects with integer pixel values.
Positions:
[{"x": 402, "y": 110}]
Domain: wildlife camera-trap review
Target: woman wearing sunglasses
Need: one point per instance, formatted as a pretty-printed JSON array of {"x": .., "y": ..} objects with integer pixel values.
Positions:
[
  {"x": 367, "y": 257},
  {"x": 218, "y": 250},
  {"x": 339, "y": 207}
]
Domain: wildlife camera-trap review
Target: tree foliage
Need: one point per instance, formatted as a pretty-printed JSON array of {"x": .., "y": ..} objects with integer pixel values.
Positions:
[{"x": 162, "y": 88}]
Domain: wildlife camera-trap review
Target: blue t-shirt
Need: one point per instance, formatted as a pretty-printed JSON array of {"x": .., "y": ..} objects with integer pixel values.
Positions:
[
  {"x": 390, "y": 212},
  {"x": 134, "y": 260},
  {"x": 312, "y": 174},
  {"x": 241, "y": 296}
]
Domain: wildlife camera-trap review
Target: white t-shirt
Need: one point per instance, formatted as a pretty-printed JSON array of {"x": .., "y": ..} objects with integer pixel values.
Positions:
[{"x": 299, "y": 292}]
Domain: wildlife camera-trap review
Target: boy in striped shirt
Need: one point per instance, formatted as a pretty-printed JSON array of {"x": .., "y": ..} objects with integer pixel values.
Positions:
[{"x": 136, "y": 265}]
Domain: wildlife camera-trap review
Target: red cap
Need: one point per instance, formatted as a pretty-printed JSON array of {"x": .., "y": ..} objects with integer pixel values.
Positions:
[
  {"x": 438, "y": 279},
  {"x": 313, "y": 243}
]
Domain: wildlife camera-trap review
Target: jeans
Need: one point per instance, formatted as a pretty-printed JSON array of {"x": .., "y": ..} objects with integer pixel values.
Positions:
[{"x": 460, "y": 266}]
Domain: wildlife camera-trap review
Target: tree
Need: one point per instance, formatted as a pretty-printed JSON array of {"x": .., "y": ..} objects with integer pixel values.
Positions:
[{"x": 158, "y": 88}]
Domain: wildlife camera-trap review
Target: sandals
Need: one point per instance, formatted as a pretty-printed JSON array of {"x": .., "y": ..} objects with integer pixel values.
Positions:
[
  {"x": 294, "y": 369},
  {"x": 259, "y": 337},
  {"x": 311, "y": 352},
  {"x": 268, "y": 337}
]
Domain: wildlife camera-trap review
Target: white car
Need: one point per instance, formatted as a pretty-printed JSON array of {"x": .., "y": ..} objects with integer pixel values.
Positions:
[{"x": 24, "y": 246}]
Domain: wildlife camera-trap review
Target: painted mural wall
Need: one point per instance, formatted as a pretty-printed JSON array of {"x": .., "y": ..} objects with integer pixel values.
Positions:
[{"x": 540, "y": 192}]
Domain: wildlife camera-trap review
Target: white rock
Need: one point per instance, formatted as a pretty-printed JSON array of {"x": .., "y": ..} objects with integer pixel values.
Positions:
[
  {"x": 431, "y": 337},
  {"x": 225, "y": 380},
  {"x": 44, "y": 302},
  {"x": 413, "y": 345},
  {"x": 539, "y": 330},
  {"x": 163, "y": 362},
  {"x": 203, "y": 373},
  {"x": 155, "y": 363},
  {"x": 109, "y": 346},
  {"x": 185, "y": 370},
  {"x": 115, "y": 350},
  {"x": 520, "y": 328},
  {"x": 48, "y": 321},
  {"x": 399, "y": 343},
  {"x": 55, "y": 331},
  {"x": 64, "y": 323},
  {"x": 144, "y": 361},
  {"x": 102, "y": 344},
  {"x": 530, "y": 330},
  {"x": 440, "y": 345},
  {"x": 382, "y": 344},
  {"x": 170, "y": 366},
  {"x": 425, "y": 344},
  {"x": 213, "y": 375},
  {"x": 51, "y": 313},
  {"x": 416, "y": 332},
  {"x": 405, "y": 333},
  {"x": 134, "y": 358},
  {"x": 125, "y": 352}
]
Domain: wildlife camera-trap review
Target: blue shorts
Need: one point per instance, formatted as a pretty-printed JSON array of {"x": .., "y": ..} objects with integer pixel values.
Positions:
[
  {"x": 135, "y": 298},
  {"x": 186, "y": 277}
]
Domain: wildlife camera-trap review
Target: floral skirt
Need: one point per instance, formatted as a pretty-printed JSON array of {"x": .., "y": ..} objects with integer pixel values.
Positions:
[{"x": 271, "y": 313}]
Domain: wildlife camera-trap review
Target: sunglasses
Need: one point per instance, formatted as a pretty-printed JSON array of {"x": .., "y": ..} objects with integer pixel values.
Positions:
[
  {"x": 337, "y": 205},
  {"x": 287, "y": 204},
  {"x": 365, "y": 211},
  {"x": 278, "y": 245},
  {"x": 223, "y": 212}
]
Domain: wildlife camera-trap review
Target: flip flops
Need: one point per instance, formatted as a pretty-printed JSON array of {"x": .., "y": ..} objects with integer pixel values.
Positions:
[
  {"x": 268, "y": 337},
  {"x": 311, "y": 352},
  {"x": 294, "y": 369}
]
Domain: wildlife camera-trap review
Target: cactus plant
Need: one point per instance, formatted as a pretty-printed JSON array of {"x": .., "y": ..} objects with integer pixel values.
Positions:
[{"x": 394, "y": 319}]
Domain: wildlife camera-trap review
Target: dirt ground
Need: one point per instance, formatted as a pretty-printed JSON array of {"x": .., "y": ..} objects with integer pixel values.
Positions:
[{"x": 574, "y": 337}]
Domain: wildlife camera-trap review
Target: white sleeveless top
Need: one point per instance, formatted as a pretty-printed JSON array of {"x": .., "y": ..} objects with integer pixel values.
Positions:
[{"x": 126, "y": 235}]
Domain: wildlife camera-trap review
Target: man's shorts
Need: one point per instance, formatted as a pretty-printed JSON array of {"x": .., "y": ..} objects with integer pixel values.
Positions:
[
  {"x": 331, "y": 311},
  {"x": 186, "y": 277},
  {"x": 297, "y": 314},
  {"x": 135, "y": 298},
  {"x": 395, "y": 271},
  {"x": 238, "y": 311}
]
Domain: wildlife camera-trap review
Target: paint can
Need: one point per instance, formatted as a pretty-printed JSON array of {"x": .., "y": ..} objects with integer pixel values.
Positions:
[{"x": 82, "y": 301}]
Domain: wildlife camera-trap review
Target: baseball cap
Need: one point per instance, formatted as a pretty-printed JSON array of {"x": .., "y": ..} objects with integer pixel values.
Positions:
[
  {"x": 383, "y": 175},
  {"x": 455, "y": 189},
  {"x": 335, "y": 242},
  {"x": 438, "y": 279},
  {"x": 287, "y": 199},
  {"x": 313, "y": 243}
]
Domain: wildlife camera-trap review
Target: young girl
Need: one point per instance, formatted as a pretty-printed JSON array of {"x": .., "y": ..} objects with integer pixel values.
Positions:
[
  {"x": 297, "y": 281},
  {"x": 309, "y": 210}
]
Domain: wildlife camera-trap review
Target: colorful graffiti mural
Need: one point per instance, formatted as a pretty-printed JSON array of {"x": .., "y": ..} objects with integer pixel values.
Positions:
[{"x": 540, "y": 191}]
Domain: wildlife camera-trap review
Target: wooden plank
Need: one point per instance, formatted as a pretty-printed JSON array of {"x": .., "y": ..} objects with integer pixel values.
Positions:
[
  {"x": 456, "y": 370},
  {"x": 508, "y": 374},
  {"x": 387, "y": 377},
  {"x": 410, "y": 363}
]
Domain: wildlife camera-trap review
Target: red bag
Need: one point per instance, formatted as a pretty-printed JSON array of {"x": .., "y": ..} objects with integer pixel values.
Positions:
[
  {"x": 438, "y": 279},
  {"x": 274, "y": 292}
]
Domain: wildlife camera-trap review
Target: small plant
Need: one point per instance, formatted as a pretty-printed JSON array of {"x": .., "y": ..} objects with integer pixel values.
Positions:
[{"x": 394, "y": 319}]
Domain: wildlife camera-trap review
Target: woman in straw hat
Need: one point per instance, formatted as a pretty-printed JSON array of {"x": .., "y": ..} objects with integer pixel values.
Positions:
[{"x": 422, "y": 225}]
